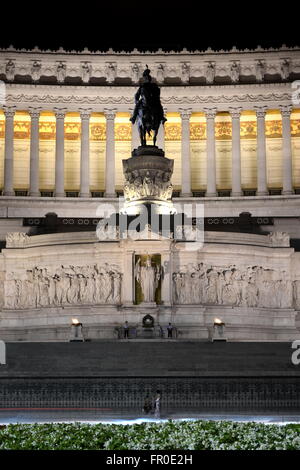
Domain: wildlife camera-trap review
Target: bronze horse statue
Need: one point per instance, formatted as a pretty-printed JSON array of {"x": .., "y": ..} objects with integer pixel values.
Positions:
[{"x": 148, "y": 110}]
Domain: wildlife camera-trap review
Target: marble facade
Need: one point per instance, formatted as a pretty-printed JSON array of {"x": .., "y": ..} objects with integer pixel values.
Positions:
[
  {"x": 257, "y": 296},
  {"x": 233, "y": 125}
]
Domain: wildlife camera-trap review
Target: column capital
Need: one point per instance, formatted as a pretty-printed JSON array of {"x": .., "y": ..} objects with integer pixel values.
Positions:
[
  {"x": 185, "y": 113},
  {"x": 9, "y": 111},
  {"x": 210, "y": 113},
  {"x": 260, "y": 111},
  {"x": 235, "y": 113},
  {"x": 286, "y": 110},
  {"x": 110, "y": 114},
  {"x": 60, "y": 113},
  {"x": 34, "y": 113},
  {"x": 85, "y": 114}
]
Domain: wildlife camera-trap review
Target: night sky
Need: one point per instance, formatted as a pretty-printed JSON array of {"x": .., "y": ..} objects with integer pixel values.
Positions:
[{"x": 147, "y": 25}]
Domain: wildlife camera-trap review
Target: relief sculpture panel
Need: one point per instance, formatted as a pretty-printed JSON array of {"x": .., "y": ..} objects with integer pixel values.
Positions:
[
  {"x": 247, "y": 286},
  {"x": 63, "y": 285}
]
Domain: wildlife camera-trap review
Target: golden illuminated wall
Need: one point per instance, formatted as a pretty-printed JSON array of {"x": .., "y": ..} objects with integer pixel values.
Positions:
[
  {"x": 173, "y": 146},
  {"x": 296, "y": 146},
  {"x": 97, "y": 151},
  {"x": 223, "y": 135},
  {"x": 47, "y": 127},
  {"x": 122, "y": 145},
  {"x": 2, "y": 130},
  {"x": 198, "y": 151}
]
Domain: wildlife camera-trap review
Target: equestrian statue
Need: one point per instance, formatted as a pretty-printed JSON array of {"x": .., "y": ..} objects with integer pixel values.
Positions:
[{"x": 148, "y": 110}]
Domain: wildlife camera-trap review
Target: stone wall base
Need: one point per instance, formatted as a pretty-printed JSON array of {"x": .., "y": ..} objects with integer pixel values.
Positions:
[{"x": 191, "y": 321}]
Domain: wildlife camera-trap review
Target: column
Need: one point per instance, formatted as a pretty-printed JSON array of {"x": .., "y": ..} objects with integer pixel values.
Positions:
[
  {"x": 59, "y": 152},
  {"x": 166, "y": 286},
  {"x": 135, "y": 138},
  {"x": 34, "y": 152},
  {"x": 262, "y": 189},
  {"x": 110, "y": 169},
  {"x": 8, "y": 189},
  {"x": 85, "y": 115},
  {"x": 161, "y": 135},
  {"x": 128, "y": 280},
  {"x": 236, "y": 152},
  {"x": 211, "y": 188},
  {"x": 287, "y": 166},
  {"x": 186, "y": 190}
]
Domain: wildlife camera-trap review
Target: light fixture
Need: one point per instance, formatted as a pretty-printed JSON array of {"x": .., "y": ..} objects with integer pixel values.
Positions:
[
  {"x": 219, "y": 330},
  {"x": 76, "y": 331}
]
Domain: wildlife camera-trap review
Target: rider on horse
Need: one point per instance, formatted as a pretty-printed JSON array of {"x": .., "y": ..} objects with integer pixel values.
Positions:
[{"x": 148, "y": 106}]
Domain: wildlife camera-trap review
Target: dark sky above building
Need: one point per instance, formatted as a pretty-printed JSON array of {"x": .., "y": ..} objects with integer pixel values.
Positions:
[{"x": 147, "y": 25}]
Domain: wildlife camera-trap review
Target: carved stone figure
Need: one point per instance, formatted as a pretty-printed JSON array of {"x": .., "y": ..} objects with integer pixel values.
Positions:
[
  {"x": 85, "y": 72},
  {"x": 210, "y": 72},
  {"x": 10, "y": 70},
  {"x": 61, "y": 72},
  {"x": 135, "y": 73},
  {"x": 148, "y": 276},
  {"x": 147, "y": 183},
  {"x": 185, "y": 73},
  {"x": 285, "y": 69},
  {"x": 235, "y": 72},
  {"x": 111, "y": 72},
  {"x": 260, "y": 71},
  {"x": 36, "y": 71},
  {"x": 160, "y": 73}
]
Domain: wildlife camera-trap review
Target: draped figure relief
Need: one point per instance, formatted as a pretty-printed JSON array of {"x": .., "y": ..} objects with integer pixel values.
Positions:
[
  {"x": 62, "y": 285},
  {"x": 247, "y": 286}
]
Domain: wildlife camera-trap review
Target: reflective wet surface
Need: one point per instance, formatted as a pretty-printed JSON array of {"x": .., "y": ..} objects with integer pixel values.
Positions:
[{"x": 132, "y": 416}]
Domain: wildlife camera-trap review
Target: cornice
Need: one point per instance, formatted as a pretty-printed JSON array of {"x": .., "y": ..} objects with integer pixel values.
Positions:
[{"x": 133, "y": 52}]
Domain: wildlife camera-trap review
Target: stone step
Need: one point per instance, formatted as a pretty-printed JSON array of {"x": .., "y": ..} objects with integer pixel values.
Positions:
[{"x": 149, "y": 358}]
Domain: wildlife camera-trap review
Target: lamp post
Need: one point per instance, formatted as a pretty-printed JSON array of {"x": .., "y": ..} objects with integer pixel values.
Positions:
[
  {"x": 219, "y": 330},
  {"x": 76, "y": 331}
]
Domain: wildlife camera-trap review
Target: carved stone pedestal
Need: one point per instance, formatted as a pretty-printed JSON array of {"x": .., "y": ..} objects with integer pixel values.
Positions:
[{"x": 148, "y": 180}]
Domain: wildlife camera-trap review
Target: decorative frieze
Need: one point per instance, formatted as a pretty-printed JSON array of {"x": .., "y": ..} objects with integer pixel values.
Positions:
[
  {"x": 62, "y": 285},
  {"x": 279, "y": 239},
  {"x": 248, "y": 286},
  {"x": 208, "y": 66},
  {"x": 16, "y": 239}
]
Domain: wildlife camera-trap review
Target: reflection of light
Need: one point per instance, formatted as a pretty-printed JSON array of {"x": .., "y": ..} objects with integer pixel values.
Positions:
[
  {"x": 75, "y": 321},
  {"x": 217, "y": 321}
]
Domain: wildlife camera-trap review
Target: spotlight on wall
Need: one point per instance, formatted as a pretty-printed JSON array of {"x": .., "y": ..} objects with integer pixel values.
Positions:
[
  {"x": 219, "y": 330},
  {"x": 76, "y": 331}
]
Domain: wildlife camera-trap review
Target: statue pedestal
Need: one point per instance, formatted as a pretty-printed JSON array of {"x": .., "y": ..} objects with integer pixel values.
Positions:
[
  {"x": 148, "y": 181},
  {"x": 147, "y": 305}
]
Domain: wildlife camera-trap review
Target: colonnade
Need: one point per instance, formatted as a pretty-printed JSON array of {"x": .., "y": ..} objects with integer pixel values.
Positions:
[{"x": 185, "y": 113}]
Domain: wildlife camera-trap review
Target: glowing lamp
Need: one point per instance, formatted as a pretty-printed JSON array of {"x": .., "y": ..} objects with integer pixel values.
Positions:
[
  {"x": 217, "y": 321},
  {"x": 219, "y": 330},
  {"x": 76, "y": 331}
]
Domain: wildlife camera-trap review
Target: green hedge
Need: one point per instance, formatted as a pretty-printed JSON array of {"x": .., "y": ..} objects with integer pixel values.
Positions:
[{"x": 181, "y": 435}]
